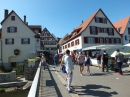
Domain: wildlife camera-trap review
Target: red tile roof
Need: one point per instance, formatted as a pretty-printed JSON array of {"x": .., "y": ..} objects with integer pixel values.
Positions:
[
  {"x": 122, "y": 24},
  {"x": 85, "y": 24},
  {"x": 61, "y": 40}
]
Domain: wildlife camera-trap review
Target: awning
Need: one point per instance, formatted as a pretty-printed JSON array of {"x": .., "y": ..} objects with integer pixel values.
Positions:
[
  {"x": 127, "y": 44},
  {"x": 103, "y": 47},
  {"x": 114, "y": 53}
]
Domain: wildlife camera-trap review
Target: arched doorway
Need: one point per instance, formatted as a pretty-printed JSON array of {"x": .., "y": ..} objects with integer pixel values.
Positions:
[{"x": 12, "y": 61}]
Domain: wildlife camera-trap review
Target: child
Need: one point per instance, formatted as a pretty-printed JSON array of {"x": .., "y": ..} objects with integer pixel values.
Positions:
[{"x": 87, "y": 63}]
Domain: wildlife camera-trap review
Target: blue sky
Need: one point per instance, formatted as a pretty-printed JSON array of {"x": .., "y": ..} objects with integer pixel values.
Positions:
[{"x": 62, "y": 16}]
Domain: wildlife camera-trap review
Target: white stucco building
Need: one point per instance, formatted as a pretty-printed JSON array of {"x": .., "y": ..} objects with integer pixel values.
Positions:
[
  {"x": 96, "y": 30},
  {"x": 123, "y": 27},
  {"x": 16, "y": 36}
]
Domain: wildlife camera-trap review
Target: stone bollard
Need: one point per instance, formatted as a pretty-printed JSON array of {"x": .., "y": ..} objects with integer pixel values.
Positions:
[{"x": 13, "y": 76}]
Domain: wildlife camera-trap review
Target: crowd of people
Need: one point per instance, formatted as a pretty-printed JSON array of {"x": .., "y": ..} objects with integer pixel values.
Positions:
[{"x": 67, "y": 62}]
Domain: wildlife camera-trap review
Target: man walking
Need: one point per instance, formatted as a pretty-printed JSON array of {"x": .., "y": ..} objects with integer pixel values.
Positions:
[
  {"x": 98, "y": 59},
  {"x": 69, "y": 69},
  {"x": 105, "y": 61},
  {"x": 119, "y": 61},
  {"x": 43, "y": 61}
]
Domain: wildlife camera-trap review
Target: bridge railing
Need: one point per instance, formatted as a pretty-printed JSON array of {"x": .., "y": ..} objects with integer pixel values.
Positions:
[{"x": 34, "y": 90}]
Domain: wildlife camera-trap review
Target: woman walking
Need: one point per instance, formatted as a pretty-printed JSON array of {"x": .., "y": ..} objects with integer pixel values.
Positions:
[
  {"x": 43, "y": 61},
  {"x": 87, "y": 63},
  {"x": 81, "y": 62}
]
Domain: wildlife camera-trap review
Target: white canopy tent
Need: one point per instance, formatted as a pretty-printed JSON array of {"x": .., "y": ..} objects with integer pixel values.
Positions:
[
  {"x": 127, "y": 44},
  {"x": 125, "y": 54},
  {"x": 103, "y": 47}
]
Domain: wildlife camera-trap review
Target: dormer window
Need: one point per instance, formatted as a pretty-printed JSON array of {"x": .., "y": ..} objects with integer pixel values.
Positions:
[
  {"x": 13, "y": 18},
  {"x": 119, "y": 29}
]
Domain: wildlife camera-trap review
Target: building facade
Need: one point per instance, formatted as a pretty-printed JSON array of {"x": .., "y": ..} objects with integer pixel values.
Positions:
[
  {"x": 18, "y": 41},
  {"x": 96, "y": 30},
  {"x": 49, "y": 41},
  {"x": 123, "y": 27}
]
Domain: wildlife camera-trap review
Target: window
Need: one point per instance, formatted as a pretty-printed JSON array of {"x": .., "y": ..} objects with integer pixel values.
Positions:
[
  {"x": 101, "y": 40},
  {"x": 93, "y": 30},
  {"x": 97, "y": 19},
  {"x": 68, "y": 45},
  {"x": 104, "y": 20},
  {"x": 129, "y": 31},
  {"x": 107, "y": 40},
  {"x": 105, "y": 30},
  {"x": 72, "y": 43},
  {"x": 126, "y": 38},
  {"x": 99, "y": 30},
  {"x": 77, "y": 42},
  {"x": 91, "y": 40},
  {"x": 9, "y": 41},
  {"x": 12, "y": 29},
  {"x": 13, "y": 18},
  {"x": 110, "y": 31},
  {"x": 119, "y": 29},
  {"x": 48, "y": 34},
  {"x": 112, "y": 40},
  {"x": 25, "y": 41},
  {"x": 117, "y": 40}
]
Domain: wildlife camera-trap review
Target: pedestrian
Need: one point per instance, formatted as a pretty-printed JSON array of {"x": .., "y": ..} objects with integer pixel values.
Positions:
[
  {"x": 105, "y": 61},
  {"x": 119, "y": 61},
  {"x": 81, "y": 63},
  {"x": 69, "y": 69},
  {"x": 43, "y": 61},
  {"x": 98, "y": 56},
  {"x": 55, "y": 58},
  {"x": 87, "y": 63}
]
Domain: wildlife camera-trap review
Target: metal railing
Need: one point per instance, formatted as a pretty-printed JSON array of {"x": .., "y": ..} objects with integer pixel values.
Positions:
[{"x": 34, "y": 90}]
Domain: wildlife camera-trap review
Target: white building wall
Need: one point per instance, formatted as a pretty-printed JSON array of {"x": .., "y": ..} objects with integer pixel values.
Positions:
[
  {"x": 22, "y": 32},
  {"x": 75, "y": 47}
]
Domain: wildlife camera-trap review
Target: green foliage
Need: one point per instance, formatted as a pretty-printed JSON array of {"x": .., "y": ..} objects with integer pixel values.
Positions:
[
  {"x": 2, "y": 90},
  {"x": 19, "y": 69},
  {"x": 6, "y": 70}
]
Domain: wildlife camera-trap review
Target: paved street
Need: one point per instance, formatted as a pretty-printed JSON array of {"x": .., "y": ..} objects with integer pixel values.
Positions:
[{"x": 100, "y": 84}]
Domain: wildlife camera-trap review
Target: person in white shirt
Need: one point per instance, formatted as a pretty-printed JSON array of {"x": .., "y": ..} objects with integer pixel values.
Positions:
[{"x": 69, "y": 69}]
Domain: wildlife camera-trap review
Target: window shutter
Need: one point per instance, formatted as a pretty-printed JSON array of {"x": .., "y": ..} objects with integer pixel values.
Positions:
[
  {"x": 5, "y": 41},
  {"x": 90, "y": 30},
  {"x": 101, "y": 29},
  {"x": 8, "y": 29},
  {"x": 28, "y": 40},
  {"x": 100, "y": 20},
  {"x": 114, "y": 40},
  {"x": 96, "y": 39},
  {"x": 96, "y": 30},
  {"x": 85, "y": 40},
  {"x": 12, "y": 41},
  {"x": 112, "y": 31},
  {"x": 108, "y": 31},
  {"x": 15, "y": 29},
  {"x": 21, "y": 41},
  {"x": 110, "y": 40},
  {"x": 104, "y": 40}
]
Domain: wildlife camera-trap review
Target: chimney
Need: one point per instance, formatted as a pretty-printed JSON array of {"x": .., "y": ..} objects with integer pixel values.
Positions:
[
  {"x": 82, "y": 21},
  {"x": 6, "y": 13},
  {"x": 25, "y": 19}
]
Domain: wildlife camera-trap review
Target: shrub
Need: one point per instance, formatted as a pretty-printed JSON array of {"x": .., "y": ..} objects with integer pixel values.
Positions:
[
  {"x": 19, "y": 69},
  {"x": 2, "y": 90},
  {"x": 6, "y": 70}
]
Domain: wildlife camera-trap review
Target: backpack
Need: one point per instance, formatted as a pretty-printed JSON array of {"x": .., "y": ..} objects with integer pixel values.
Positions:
[
  {"x": 63, "y": 69},
  {"x": 88, "y": 61}
]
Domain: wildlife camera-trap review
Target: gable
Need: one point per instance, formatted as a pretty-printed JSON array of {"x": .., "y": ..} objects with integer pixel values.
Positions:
[{"x": 22, "y": 29}]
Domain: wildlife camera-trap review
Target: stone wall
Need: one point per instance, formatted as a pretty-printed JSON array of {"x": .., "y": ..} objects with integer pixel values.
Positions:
[{"x": 7, "y": 77}]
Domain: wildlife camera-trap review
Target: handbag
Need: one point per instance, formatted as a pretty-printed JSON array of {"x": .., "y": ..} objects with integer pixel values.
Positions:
[{"x": 63, "y": 69}]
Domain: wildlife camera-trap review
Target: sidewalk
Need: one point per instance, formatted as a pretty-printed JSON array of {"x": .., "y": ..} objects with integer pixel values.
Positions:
[{"x": 100, "y": 84}]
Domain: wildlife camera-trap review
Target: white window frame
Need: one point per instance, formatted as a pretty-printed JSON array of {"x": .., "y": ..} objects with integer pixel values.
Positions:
[
  {"x": 12, "y": 29},
  {"x": 105, "y": 30},
  {"x": 97, "y": 19},
  {"x": 9, "y": 41},
  {"x": 91, "y": 40},
  {"x": 25, "y": 41},
  {"x": 110, "y": 31},
  {"x": 76, "y": 43}
]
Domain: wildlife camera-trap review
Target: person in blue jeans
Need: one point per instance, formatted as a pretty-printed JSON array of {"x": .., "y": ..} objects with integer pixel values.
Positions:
[
  {"x": 55, "y": 58},
  {"x": 119, "y": 61}
]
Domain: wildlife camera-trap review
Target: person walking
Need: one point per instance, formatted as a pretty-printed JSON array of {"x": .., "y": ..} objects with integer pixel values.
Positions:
[
  {"x": 55, "y": 58},
  {"x": 81, "y": 63},
  {"x": 43, "y": 61},
  {"x": 87, "y": 63},
  {"x": 98, "y": 56},
  {"x": 105, "y": 61},
  {"x": 119, "y": 61},
  {"x": 69, "y": 69}
]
